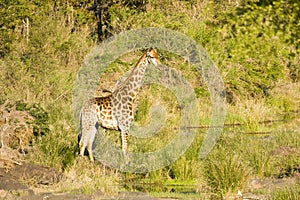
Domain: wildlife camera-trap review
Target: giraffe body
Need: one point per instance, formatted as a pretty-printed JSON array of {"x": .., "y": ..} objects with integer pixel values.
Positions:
[{"x": 114, "y": 111}]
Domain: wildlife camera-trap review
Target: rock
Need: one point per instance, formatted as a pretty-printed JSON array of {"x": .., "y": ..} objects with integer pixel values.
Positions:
[
  {"x": 9, "y": 187},
  {"x": 57, "y": 196},
  {"x": 37, "y": 174}
]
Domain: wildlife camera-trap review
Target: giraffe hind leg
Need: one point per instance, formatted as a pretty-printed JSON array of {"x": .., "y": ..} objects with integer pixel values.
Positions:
[
  {"x": 90, "y": 150},
  {"x": 91, "y": 139},
  {"x": 81, "y": 145},
  {"x": 88, "y": 132},
  {"x": 86, "y": 142},
  {"x": 81, "y": 149}
]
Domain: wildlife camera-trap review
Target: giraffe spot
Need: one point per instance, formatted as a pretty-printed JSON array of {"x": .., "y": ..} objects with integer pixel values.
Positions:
[
  {"x": 118, "y": 96},
  {"x": 124, "y": 100},
  {"x": 124, "y": 92}
]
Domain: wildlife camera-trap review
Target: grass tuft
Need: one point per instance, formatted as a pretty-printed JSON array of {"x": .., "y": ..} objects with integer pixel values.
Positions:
[
  {"x": 226, "y": 172},
  {"x": 286, "y": 193}
]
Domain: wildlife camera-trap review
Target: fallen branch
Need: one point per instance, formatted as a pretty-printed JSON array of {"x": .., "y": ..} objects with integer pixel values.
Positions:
[{"x": 232, "y": 124}]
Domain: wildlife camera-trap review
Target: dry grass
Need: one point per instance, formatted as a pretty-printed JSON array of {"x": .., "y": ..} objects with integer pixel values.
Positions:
[{"x": 16, "y": 133}]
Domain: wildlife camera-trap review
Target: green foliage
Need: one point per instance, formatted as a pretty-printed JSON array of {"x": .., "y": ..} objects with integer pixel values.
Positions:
[
  {"x": 14, "y": 18},
  {"x": 39, "y": 70},
  {"x": 60, "y": 145},
  {"x": 256, "y": 45},
  {"x": 41, "y": 117},
  {"x": 41, "y": 120}
]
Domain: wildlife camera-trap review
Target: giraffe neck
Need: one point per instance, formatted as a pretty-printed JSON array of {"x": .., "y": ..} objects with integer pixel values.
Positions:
[{"x": 134, "y": 81}]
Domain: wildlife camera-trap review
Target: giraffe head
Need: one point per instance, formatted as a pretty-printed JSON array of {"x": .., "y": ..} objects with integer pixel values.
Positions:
[{"x": 152, "y": 57}]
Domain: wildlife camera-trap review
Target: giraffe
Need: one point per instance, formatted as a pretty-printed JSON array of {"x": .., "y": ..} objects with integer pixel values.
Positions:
[{"x": 114, "y": 111}]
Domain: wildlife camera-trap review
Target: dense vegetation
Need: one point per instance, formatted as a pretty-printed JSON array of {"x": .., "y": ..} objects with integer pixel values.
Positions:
[{"x": 255, "y": 44}]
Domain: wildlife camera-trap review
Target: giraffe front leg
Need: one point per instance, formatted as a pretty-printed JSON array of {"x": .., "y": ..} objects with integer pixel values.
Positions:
[{"x": 124, "y": 136}]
